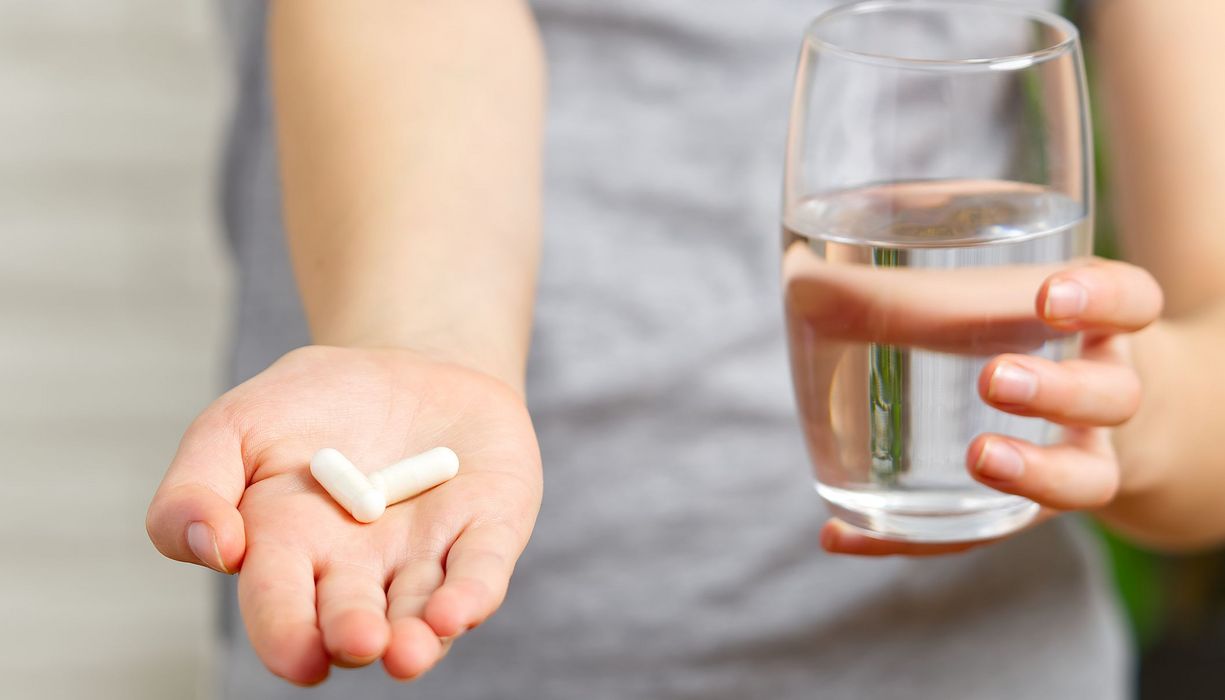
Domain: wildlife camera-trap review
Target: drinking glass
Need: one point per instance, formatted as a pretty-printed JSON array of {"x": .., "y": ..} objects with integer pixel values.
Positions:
[{"x": 938, "y": 170}]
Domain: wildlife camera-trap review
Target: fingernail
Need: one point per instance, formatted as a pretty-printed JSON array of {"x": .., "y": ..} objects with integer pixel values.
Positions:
[
  {"x": 1065, "y": 299},
  {"x": 1000, "y": 461},
  {"x": 1012, "y": 383},
  {"x": 203, "y": 543}
]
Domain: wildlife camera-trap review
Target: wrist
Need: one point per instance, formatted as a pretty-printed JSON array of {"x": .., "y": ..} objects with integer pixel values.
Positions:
[{"x": 506, "y": 364}]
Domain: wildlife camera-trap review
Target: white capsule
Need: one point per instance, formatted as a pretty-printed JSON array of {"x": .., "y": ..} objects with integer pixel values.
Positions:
[
  {"x": 347, "y": 485},
  {"x": 411, "y": 476}
]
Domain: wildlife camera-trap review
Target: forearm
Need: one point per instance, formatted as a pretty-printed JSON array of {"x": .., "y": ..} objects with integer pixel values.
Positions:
[
  {"x": 1164, "y": 120},
  {"x": 409, "y": 135}
]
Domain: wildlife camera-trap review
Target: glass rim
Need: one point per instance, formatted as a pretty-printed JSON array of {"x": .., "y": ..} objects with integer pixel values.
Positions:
[{"x": 1019, "y": 61}]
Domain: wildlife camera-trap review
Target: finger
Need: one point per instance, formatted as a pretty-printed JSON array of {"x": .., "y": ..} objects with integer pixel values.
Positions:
[
  {"x": 478, "y": 569},
  {"x": 353, "y": 614},
  {"x": 966, "y": 311},
  {"x": 1073, "y": 392},
  {"x": 1104, "y": 296},
  {"x": 1065, "y": 476},
  {"x": 838, "y": 537},
  {"x": 414, "y": 647},
  {"x": 194, "y": 515},
  {"x": 276, "y": 593}
]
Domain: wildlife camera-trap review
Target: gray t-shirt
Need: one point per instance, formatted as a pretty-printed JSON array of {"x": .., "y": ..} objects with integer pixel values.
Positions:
[{"x": 676, "y": 554}]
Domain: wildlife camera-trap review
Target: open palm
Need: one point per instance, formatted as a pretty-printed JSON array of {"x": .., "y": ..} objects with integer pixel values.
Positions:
[{"x": 315, "y": 586}]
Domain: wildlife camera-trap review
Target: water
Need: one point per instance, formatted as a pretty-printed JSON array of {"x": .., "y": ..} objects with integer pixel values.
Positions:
[{"x": 896, "y": 297}]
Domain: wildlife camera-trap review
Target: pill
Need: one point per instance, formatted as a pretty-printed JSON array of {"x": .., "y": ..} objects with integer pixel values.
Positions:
[
  {"x": 416, "y": 474},
  {"x": 347, "y": 485}
]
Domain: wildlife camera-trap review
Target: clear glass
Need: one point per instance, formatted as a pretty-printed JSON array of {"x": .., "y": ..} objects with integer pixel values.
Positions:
[{"x": 937, "y": 171}]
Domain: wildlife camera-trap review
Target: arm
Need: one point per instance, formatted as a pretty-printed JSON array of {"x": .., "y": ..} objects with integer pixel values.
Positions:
[
  {"x": 1164, "y": 116},
  {"x": 409, "y": 135},
  {"x": 409, "y": 138}
]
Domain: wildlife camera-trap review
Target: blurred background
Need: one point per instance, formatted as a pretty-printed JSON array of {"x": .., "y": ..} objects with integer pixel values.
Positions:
[
  {"x": 112, "y": 327},
  {"x": 112, "y": 319}
]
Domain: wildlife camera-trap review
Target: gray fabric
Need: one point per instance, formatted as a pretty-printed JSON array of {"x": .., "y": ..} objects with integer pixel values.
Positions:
[{"x": 676, "y": 555}]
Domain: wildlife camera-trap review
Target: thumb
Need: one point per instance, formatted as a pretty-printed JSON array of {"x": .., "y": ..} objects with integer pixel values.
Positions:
[{"x": 194, "y": 514}]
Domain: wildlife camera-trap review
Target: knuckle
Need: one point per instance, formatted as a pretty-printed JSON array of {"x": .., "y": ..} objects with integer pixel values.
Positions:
[
  {"x": 219, "y": 417},
  {"x": 1105, "y": 287},
  {"x": 1084, "y": 483},
  {"x": 1107, "y": 489},
  {"x": 1131, "y": 395},
  {"x": 1134, "y": 290},
  {"x": 1122, "y": 395},
  {"x": 1159, "y": 295},
  {"x": 1043, "y": 490},
  {"x": 477, "y": 589}
]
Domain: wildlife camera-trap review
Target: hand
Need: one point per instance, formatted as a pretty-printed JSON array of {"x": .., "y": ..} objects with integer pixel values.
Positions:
[
  {"x": 315, "y": 587},
  {"x": 1106, "y": 301}
]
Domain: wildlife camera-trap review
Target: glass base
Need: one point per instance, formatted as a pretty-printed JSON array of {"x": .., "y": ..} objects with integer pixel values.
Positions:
[{"x": 910, "y": 516}]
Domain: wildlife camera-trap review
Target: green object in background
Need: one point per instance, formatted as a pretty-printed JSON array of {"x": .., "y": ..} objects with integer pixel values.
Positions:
[{"x": 1137, "y": 577}]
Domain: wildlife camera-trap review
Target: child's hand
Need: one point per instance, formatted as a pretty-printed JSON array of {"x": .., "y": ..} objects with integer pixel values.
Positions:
[{"x": 315, "y": 586}]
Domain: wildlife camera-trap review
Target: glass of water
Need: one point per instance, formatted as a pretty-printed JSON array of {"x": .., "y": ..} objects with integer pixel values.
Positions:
[{"x": 938, "y": 170}]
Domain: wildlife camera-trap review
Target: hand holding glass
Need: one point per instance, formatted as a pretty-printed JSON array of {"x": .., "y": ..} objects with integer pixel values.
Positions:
[{"x": 937, "y": 172}]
